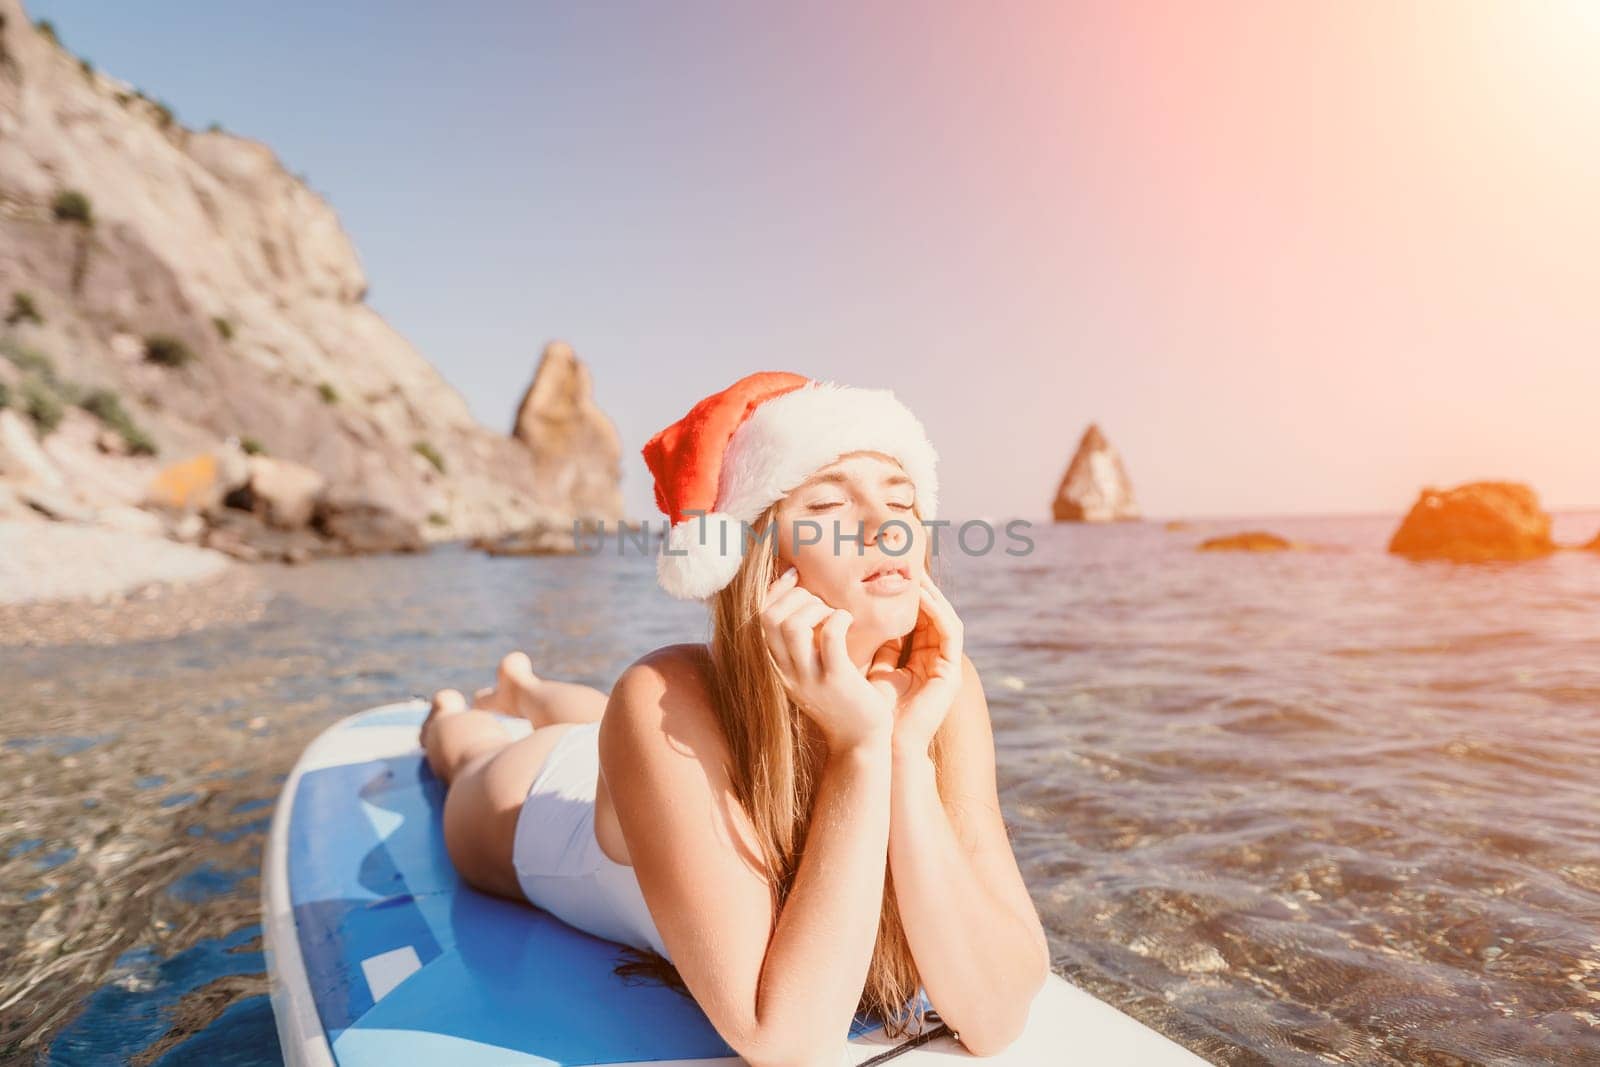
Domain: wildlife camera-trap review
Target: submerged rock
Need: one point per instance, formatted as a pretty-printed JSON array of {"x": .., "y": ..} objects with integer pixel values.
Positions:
[
  {"x": 1248, "y": 541},
  {"x": 1096, "y": 487},
  {"x": 1476, "y": 522},
  {"x": 550, "y": 538}
]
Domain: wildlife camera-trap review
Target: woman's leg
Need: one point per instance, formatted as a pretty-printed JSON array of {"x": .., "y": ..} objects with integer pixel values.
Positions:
[
  {"x": 453, "y": 736},
  {"x": 542, "y": 701},
  {"x": 487, "y": 777}
]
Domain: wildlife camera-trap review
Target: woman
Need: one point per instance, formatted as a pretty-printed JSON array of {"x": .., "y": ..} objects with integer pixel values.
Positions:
[{"x": 799, "y": 819}]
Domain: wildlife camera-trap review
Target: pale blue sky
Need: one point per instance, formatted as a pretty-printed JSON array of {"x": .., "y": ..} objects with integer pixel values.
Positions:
[{"x": 1294, "y": 258}]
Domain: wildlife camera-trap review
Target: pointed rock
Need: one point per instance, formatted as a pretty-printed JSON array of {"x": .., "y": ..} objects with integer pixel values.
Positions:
[
  {"x": 576, "y": 451},
  {"x": 1096, "y": 487}
]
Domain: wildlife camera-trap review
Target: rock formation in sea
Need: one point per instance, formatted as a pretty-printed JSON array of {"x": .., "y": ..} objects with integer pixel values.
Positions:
[
  {"x": 164, "y": 289},
  {"x": 1248, "y": 541},
  {"x": 577, "y": 452},
  {"x": 1095, "y": 488},
  {"x": 1476, "y": 522}
]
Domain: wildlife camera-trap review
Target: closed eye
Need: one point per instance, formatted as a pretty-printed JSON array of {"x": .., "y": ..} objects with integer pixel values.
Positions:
[{"x": 837, "y": 503}]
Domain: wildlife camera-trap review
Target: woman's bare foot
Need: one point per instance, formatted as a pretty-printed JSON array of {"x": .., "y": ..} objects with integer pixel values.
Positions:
[
  {"x": 514, "y": 685},
  {"x": 445, "y": 702}
]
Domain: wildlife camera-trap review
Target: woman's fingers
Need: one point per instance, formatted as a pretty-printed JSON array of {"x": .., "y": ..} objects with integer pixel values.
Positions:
[
  {"x": 783, "y": 596},
  {"x": 779, "y": 611},
  {"x": 786, "y": 580},
  {"x": 831, "y": 635},
  {"x": 784, "y": 605},
  {"x": 798, "y": 630},
  {"x": 888, "y": 655},
  {"x": 944, "y": 619}
]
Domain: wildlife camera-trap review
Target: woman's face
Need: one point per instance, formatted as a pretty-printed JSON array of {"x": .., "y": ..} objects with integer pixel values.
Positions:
[{"x": 831, "y": 528}]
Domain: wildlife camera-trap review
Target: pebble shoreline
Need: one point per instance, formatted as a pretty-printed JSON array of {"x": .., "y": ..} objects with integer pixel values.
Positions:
[{"x": 62, "y": 583}]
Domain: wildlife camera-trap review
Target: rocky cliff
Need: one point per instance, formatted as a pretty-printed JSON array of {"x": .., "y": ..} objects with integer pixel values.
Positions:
[
  {"x": 164, "y": 289},
  {"x": 1095, "y": 488}
]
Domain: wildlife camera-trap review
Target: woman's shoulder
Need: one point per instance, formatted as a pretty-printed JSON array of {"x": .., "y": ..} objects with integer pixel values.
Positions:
[
  {"x": 688, "y": 655},
  {"x": 686, "y": 668},
  {"x": 668, "y": 689}
]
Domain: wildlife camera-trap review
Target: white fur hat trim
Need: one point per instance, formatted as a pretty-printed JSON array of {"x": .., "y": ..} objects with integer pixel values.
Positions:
[{"x": 782, "y": 443}]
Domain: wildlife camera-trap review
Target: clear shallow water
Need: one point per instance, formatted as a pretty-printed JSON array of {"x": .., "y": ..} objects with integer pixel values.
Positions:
[{"x": 1310, "y": 807}]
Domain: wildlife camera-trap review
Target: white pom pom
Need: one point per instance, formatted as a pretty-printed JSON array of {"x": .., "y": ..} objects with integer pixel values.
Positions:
[{"x": 701, "y": 555}]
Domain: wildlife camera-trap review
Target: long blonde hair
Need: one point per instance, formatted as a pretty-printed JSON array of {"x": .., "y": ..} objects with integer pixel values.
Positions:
[{"x": 775, "y": 777}]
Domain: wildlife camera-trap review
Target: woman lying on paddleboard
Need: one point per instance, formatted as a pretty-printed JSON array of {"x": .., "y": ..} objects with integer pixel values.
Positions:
[{"x": 797, "y": 821}]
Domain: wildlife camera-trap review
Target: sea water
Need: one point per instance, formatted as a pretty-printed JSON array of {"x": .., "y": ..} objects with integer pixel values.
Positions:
[{"x": 1308, "y": 807}]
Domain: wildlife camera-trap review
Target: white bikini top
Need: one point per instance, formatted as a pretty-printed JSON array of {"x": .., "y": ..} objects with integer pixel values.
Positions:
[
  {"x": 617, "y": 880},
  {"x": 621, "y": 886}
]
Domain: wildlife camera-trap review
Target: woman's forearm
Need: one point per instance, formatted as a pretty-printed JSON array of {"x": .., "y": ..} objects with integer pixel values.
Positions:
[
  {"x": 979, "y": 961},
  {"x": 817, "y": 960}
]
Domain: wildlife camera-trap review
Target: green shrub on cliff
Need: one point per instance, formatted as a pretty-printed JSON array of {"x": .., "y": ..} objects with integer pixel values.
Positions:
[
  {"x": 23, "y": 309},
  {"x": 42, "y": 405},
  {"x": 329, "y": 394},
  {"x": 5, "y": 396},
  {"x": 251, "y": 447},
  {"x": 429, "y": 453},
  {"x": 104, "y": 405},
  {"x": 224, "y": 327},
  {"x": 167, "y": 350},
  {"x": 72, "y": 206},
  {"x": 47, "y": 30},
  {"x": 28, "y": 360},
  {"x": 41, "y": 395}
]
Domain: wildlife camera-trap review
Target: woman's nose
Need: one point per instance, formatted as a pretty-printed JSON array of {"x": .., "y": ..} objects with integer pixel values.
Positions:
[{"x": 889, "y": 527}]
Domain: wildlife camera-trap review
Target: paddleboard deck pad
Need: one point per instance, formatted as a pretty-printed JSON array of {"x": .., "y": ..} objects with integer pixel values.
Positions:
[{"x": 378, "y": 953}]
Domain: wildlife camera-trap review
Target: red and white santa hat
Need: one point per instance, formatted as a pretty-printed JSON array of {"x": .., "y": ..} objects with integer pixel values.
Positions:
[{"x": 740, "y": 449}]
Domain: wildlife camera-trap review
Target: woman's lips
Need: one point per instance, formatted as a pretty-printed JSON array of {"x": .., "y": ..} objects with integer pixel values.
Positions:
[{"x": 887, "y": 584}]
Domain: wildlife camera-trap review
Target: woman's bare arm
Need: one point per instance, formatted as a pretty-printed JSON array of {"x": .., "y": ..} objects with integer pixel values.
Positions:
[
  {"x": 781, "y": 996},
  {"x": 818, "y": 957},
  {"x": 971, "y": 924}
]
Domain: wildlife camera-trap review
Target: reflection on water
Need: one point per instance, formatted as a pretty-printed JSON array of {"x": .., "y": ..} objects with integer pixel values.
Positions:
[{"x": 1307, "y": 807}]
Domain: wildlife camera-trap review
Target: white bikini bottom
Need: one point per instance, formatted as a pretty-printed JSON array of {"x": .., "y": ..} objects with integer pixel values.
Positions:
[{"x": 560, "y": 865}]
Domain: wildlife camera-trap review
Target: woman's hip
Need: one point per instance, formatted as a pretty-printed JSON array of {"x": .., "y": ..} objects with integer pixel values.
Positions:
[{"x": 484, "y": 807}]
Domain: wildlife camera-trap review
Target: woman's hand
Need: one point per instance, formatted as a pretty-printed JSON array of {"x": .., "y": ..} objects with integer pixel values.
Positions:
[
  {"x": 805, "y": 638},
  {"x": 924, "y": 690}
]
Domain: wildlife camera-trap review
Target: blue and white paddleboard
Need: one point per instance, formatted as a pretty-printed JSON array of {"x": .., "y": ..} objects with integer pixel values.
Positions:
[{"x": 379, "y": 954}]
